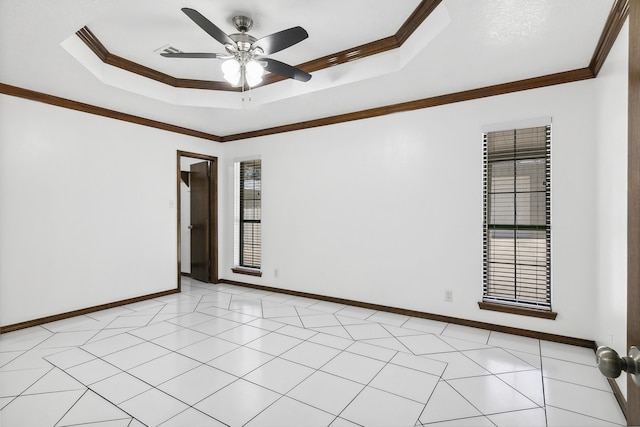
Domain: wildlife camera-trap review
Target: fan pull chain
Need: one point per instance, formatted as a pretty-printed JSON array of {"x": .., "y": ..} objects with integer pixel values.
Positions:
[
  {"x": 243, "y": 91},
  {"x": 243, "y": 84}
]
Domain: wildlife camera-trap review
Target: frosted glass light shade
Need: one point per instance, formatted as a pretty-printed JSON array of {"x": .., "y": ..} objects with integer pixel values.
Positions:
[
  {"x": 254, "y": 72},
  {"x": 231, "y": 71}
]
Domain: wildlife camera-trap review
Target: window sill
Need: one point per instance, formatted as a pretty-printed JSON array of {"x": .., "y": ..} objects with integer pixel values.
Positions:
[
  {"x": 247, "y": 271},
  {"x": 513, "y": 309}
]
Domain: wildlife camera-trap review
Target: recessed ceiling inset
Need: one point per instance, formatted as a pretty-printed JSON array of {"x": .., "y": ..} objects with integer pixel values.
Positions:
[{"x": 200, "y": 83}]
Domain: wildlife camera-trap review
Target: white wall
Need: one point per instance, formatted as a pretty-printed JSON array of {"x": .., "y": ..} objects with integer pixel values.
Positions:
[
  {"x": 611, "y": 225},
  {"x": 389, "y": 210},
  {"x": 385, "y": 210},
  {"x": 87, "y": 209}
]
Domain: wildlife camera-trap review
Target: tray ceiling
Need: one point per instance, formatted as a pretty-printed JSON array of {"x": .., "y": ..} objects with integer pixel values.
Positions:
[{"x": 462, "y": 45}]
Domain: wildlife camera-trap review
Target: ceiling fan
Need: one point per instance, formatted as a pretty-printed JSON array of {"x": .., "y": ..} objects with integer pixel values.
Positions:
[{"x": 245, "y": 60}]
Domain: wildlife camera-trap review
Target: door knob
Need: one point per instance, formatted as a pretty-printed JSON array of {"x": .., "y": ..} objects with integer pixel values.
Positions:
[
  {"x": 611, "y": 364},
  {"x": 191, "y": 227}
]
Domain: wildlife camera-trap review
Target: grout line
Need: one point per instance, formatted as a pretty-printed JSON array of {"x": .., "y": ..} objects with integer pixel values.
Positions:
[
  {"x": 35, "y": 381},
  {"x": 570, "y": 361},
  {"x": 360, "y": 392},
  {"x": 300, "y": 317},
  {"x": 467, "y": 400},
  {"x": 405, "y": 322},
  {"x": 428, "y": 399},
  {"x": 261, "y": 309},
  {"x": 580, "y": 413},
  {"x": 544, "y": 393},
  {"x": 506, "y": 350},
  {"x": 578, "y": 385},
  {"x": 22, "y": 352},
  {"x": 398, "y": 340},
  {"x": 71, "y": 407},
  {"x": 444, "y": 329},
  {"x": 518, "y": 391}
]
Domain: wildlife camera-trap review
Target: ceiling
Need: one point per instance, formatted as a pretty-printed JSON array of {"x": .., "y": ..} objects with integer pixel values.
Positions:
[{"x": 461, "y": 45}]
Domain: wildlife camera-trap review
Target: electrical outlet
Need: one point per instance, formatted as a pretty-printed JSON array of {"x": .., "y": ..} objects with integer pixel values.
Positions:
[{"x": 448, "y": 295}]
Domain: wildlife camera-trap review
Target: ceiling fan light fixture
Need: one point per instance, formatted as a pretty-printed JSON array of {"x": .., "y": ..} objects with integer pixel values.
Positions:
[
  {"x": 231, "y": 71},
  {"x": 244, "y": 63},
  {"x": 253, "y": 72}
]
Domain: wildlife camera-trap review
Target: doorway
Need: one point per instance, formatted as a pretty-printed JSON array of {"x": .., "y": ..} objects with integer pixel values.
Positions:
[{"x": 197, "y": 218}]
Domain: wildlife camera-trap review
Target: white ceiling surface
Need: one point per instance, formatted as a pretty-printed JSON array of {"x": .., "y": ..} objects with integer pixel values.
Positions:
[{"x": 465, "y": 44}]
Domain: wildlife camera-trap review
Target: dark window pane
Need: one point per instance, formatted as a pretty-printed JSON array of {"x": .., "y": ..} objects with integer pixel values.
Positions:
[{"x": 250, "y": 213}]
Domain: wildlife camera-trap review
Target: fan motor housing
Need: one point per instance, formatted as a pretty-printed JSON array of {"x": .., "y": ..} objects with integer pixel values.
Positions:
[{"x": 243, "y": 40}]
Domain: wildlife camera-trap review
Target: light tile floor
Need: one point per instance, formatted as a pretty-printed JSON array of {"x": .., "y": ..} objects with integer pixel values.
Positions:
[{"x": 219, "y": 355}]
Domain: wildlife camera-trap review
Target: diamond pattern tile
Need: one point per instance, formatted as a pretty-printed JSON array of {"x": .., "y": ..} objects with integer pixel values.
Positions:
[{"x": 218, "y": 355}]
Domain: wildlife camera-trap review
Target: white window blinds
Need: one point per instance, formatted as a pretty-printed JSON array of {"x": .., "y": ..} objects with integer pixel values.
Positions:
[{"x": 517, "y": 217}]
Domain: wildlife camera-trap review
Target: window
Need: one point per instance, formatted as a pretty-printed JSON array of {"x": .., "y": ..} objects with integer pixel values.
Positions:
[
  {"x": 248, "y": 215},
  {"x": 517, "y": 217}
]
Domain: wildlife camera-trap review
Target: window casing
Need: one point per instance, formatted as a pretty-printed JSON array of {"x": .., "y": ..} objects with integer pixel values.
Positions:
[
  {"x": 517, "y": 217},
  {"x": 248, "y": 214}
]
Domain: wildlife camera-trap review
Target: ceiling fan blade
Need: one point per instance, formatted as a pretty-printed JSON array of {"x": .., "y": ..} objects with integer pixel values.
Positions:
[
  {"x": 281, "y": 40},
  {"x": 208, "y": 26},
  {"x": 285, "y": 70},
  {"x": 192, "y": 55}
]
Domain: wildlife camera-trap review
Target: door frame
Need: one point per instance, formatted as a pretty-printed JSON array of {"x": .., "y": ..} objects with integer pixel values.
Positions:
[
  {"x": 213, "y": 213},
  {"x": 633, "y": 206}
]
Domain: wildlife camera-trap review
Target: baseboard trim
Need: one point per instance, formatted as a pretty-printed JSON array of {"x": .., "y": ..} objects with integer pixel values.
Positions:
[
  {"x": 580, "y": 342},
  {"x": 82, "y": 311},
  {"x": 448, "y": 319},
  {"x": 617, "y": 393}
]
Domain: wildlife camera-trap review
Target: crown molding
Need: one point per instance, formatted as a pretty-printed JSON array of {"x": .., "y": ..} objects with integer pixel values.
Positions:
[
  {"x": 99, "y": 111},
  {"x": 467, "y": 95},
  {"x": 616, "y": 19},
  {"x": 96, "y": 46}
]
